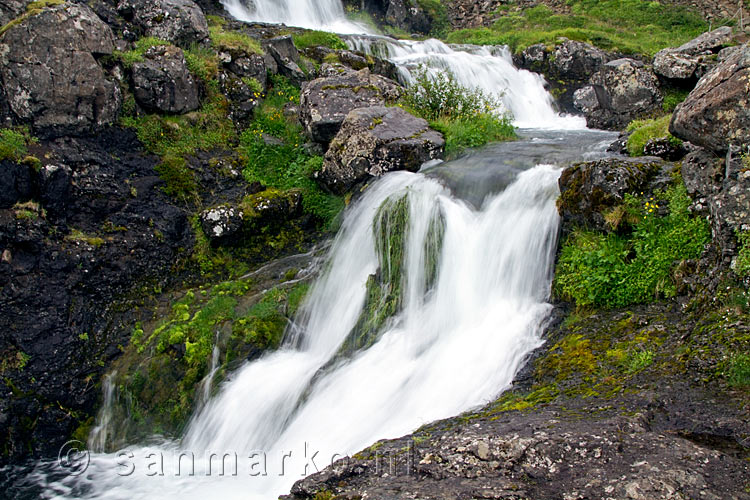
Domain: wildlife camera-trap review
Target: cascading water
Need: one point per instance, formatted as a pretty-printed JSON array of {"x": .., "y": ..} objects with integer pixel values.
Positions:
[{"x": 325, "y": 15}]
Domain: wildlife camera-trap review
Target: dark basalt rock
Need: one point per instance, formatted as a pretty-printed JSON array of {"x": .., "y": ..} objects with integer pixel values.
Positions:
[
  {"x": 11, "y": 9},
  {"x": 693, "y": 59},
  {"x": 181, "y": 22},
  {"x": 716, "y": 114},
  {"x": 374, "y": 141},
  {"x": 163, "y": 83},
  {"x": 286, "y": 57},
  {"x": 618, "y": 93},
  {"x": 665, "y": 148},
  {"x": 325, "y": 102},
  {"x": 50, "y": 76}
]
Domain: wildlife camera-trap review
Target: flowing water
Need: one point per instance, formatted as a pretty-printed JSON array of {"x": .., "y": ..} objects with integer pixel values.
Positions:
[{"x": 460, "y": 256}]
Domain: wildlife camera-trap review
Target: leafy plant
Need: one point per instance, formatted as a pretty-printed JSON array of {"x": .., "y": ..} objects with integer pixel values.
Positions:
[{"x": 613, "y": 270}]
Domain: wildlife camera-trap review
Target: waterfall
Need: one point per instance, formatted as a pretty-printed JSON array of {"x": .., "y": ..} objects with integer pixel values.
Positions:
[
  {"x": 99, "y": 434},
  {"x": 327, "y": 15}
]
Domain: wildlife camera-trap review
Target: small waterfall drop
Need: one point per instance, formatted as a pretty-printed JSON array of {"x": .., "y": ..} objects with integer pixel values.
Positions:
[
  {"x": 98, "y": 439},
  {"x": 326, "y": 15}
]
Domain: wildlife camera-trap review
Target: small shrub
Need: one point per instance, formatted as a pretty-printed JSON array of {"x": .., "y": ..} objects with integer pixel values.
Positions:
[
  {"x": 645, "y": 130},
  {"x": 612, "y": 270},
  {"x": 738, "y": 371},
  {"x": 318, "y": 38},
  {"x": 639, "y": 360},
  {"x": 13, "y": 144}
]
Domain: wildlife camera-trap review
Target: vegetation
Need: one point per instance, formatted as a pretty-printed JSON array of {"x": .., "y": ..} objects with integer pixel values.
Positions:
[
  {"x": 32, "y": 9},
  {"x": 643, "y": 131},
  {"x": 738, "y": 372},
  {"x": 467, "y": 117},
  {"x": 129, "y": 57},
  {"x": 439, "y": 16},
  {"x": 232, "y": 40},
  {"x": 673, "y": 97},
  {"x": 14, "y": 143},
  {"x": 615, "y": 270},
  {"x": 628, "y": 26},
  {"x": 273, "y": 154},
  {"x": 318, "y": 38},
  {"x": 742, "y": 263}
]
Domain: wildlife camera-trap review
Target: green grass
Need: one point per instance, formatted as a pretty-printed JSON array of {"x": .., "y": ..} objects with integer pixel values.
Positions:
[
  {"x": 135, "y": 55},
  {"x": 628, "y": 26},
  {"x": 318, "y": 38},
  {"x": 673, "y": 97},
  {"x": 738, "y": 371},
  {"x": 233, "y": 40},
  {"x": 742, "y": 263},
  {"x": 614, "y": 270},
  {"x": 286, "y": 165},
  {"x": 483, "y": 128},
  {"x": 14, "y": 143},
  {"x": 202, "y": 62},
  {"x": 645, "y": 130}
]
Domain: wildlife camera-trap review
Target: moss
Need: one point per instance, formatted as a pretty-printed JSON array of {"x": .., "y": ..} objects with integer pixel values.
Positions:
[
  {"x": 233, "y": 40},
  {"x": 202, "y": 62},
  {"x": 313, "y": 38},
  {"x": 742, "y": 262},
  {"x": 644, "y": 130},
  {"x": 673, "y": 97},
  {"x": 78, "y": 236},
  {"x": 13, "y": 359},
  {"x": 130, "y": 57},
  {"x": 14, "y": 143},
  {"x": 179, "y": 180}
]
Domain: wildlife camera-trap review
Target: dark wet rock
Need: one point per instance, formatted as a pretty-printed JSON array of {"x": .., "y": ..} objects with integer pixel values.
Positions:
[
  {"x": 222, "y": 222},
  {"x": 326, "y": 101},
  {"x": 589, "y": 190},
  {"x": 286, "y": 57},
  {"x": 179, "y": 21},
  {"x": 620, "y": 146},
  {"x": 694, "y": 58},
  {"x": 702, "y": 173},
  {"x": 162, "y": 81},
  {"x": 376, "y": 140},
  {"x": 243, "y": 97},
  {"x": 716, "y": 114},
  {"x": 567, "y": 67},
  {"x": 404, "y": 14},
  {"x": 618, "y": 93},
  {"x": 16, "y": 183},
  {"x": 50, "y": 75},
  {"x": 248, "y": 66},
  {"x": 665, "y": 148}
]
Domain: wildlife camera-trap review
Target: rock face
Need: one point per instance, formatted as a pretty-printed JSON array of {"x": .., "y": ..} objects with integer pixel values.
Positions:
[
  {"x": 286, "y": 56},
  {"x": 221, "y": 222},
  {"x": 405, "y": 14},
  {"x": 179, "y": 21},
  {"x": 716, "y": 114},
  {"x": 11, "y": 9},
  {"x": 567, "y": 67},
  {"x": 376, "y": 140},
  {"x": 590, "y": 189},
  {"x": 621, "y": 91},
  {"x": 693, "y": 59},
  {"x": 325, "y": 102},
  {"x": 163, "y": 83},
  {"x": 49, "y": 73}
]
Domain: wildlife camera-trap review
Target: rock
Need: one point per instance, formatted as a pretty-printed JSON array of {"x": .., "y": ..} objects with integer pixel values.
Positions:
[
  {"x": 50, "y": 75},
  {"x": 619, "y": 92},
  {"x": 222, "y": 222},
  {"x": 692, "y": 59},
  {"x": 702, "y": 173},
  {"x": 287, "y": 58},
  {"x": 325, "y": 102},
  {"x": 11, "y": 9},
  {"x": 163, "y": 83},
  {"x": 249, "y": 66},
  {"x": 16, "y": 183},
  {"x": 270, "y": 208},
  {"x": 178, "y": 21},
  {"x": 242, "y": 97},
  {"x": 665, "y": 148},
  {"x": 376, "y": 140},
  {"x": 716, "y": 114},
  {"x": 590, "y": 189}
]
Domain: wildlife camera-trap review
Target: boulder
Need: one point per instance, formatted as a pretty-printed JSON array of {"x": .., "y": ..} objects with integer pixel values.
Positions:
[
  {"x": 694, "y": 58},
  {"x": 243, "y": 98},
  {"x": 249, "y": 66},
  {"x": 716, "y": 114},
  {"x": 163, "y": 83},
  {"x": 666, "y": 148},
  {"x": 286, "y": 56},
  {"x": 325, "y": 102},
  {"x": 269, "y": 208},
  {"x": 621, "y": 91},
  {"x": 590, "y": 189},
  {"x": 50, "y": 75},
  {"x": 11, "y": 9},
  {"x": 179, "y": 21},
  {"x": 222, "y": 222},
  {"x": 376, "y": 140}
]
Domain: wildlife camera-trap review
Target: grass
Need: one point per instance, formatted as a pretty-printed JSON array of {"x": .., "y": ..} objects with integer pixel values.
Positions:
[
  {"x": 14, "y": 143},
  {"x": 463, "y": 115},
  {"x": 233, "y": 40},
  {"x": 742, "y": 263},
  {"x": 673, "y": 97},
  {"x": 628, "y": 26},
  {"x": 318, "y": 38},
  {"x": 643, "y": 131},
  {"x": 614, "y": 270},
  {"x": 284, "y": 165},
  {"x": 738, "y": 370},
  {"x": 438, "y": 14},
  {"x": 135, "y": 55}
]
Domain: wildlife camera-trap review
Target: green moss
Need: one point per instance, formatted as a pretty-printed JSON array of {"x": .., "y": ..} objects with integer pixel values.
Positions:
[
  {"x": 738, "y": 371},
  {"x": 179, "y": 179},
  {"x": 644, "y": 130},
  {"x": 742, "y": 262},
  {"x": 673, "y": 97},
  {"x": 202, "y": 62},
  {"x": 14, "y": 143},
  {"x": 285, "y": 165},
  {"x": 318, "y": 39},
  {"x": 76, "y": 235},
  {"x": 615, "y": 270},
  {"x": 130, "y": 57},
  {"x": 233, "y": 40},
  {"x": 628, "y": 26},
  {"x": 13, "y": 359},
  {"x": 32, "y": 9}
]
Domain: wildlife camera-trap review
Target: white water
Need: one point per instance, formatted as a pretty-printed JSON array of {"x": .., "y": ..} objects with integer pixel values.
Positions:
[
  {"x": 451, "y": 349},
  {"x": 98, "y": 438},
  {"x": 326, "y": 15}
]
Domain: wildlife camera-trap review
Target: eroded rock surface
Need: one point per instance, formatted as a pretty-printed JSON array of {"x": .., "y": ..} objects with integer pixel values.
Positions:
[
  {"x": 179, "y": 21},
  {"x": 694, "y": 58},
  {"x": 163, "y": 83}
]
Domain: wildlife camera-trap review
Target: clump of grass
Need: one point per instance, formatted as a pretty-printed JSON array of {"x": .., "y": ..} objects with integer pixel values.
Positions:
[
  {"x": 318, "y": 38},
  {"x": 466, "y": 116},
  {"x": 672, "y": 98},
  {"x": 628, "y": 26},
  {"x": 643, "y": 131},
  {"x": 135, "y": 55},
  {"x": 233, "y": 40},
  {"x": 742, "y": 262},
  {"x": 616, "y": 270},
  {"x": 285, "y": 165},
  {"x": 76, "y": 235},
  {"x": 738, "y": 371},
  {"x": 637, "y": 361},
  {"x": 202, "y": 62},
  {"x": 14, "y": 143}
]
